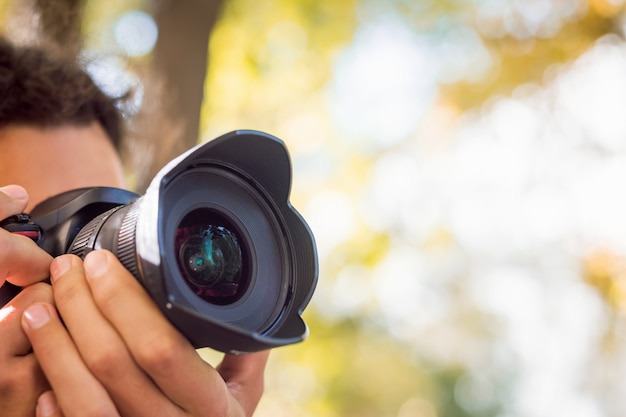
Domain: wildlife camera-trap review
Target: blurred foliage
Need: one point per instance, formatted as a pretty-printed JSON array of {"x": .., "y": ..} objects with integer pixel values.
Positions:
[
  {"x": 267, "y": 57},
  {"x": 522, "y": 61},
  {"x": 606, "y": 272},
  {"x": 259, "y": 77},
  {"x": 271, "y": 64}
]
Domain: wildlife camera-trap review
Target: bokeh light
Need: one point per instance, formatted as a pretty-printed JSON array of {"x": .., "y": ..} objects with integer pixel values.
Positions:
[
  {"x": 136, "y": 33},
  {"x": 383, "y": 83}
]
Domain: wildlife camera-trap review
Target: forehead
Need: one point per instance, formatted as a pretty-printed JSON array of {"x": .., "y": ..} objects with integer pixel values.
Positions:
[{"x": 53, "y": 160}]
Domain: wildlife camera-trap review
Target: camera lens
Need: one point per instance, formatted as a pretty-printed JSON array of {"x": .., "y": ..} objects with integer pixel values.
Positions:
[{"x": 210, "y": 257}]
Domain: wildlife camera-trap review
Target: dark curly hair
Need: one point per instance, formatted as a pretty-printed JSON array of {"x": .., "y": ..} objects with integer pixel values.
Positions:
[{"x": 40, "y": 89}]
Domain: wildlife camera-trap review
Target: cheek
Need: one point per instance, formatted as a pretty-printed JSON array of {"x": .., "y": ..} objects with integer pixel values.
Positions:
[{"x": 52, "y": 161}]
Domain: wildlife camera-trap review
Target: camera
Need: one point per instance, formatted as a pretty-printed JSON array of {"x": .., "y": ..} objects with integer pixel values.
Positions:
[{"x": 214, "y": 241}]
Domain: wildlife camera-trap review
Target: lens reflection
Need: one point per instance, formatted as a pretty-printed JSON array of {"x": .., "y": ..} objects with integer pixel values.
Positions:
[{"x": 210, "y": 257}]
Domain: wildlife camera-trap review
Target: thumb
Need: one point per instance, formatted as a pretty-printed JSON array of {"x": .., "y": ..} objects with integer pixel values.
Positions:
[{"x": 13, "y": 200}]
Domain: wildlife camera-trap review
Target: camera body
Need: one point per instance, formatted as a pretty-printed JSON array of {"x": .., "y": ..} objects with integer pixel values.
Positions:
[{"x": 214, "y": 241}]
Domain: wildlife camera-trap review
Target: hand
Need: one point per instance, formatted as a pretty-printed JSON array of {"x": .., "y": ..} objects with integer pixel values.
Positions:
[
  {"x": 21, "y": 379},
  {"x": 23, "y": 263},
  {"x": 118, "y": 355}
]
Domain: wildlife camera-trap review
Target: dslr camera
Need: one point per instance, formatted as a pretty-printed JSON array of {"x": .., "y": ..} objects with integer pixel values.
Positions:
[{"x": 214, "y": 241}]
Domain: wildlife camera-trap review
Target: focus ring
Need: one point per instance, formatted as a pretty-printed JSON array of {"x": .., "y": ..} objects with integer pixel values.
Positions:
[
  {"x": 126, "y": 252},
  {"x": 83, "y": 242}
]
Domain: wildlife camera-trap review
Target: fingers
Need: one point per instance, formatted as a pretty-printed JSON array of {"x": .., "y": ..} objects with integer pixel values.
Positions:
[
  {"x": 21, "y": 378},
  {"x": 47, "y": 406},
  {"x": 77, "y": 391},
  {"x": 244, "y": 376},
  {"x": 22, "y": 262},
  {"x": 119, "y": 341},
  {"x": 157, "y": 347},
  {"x": 13, "y": 200},
  {"x": 21, "y": 382},
  {"x": 14, "y": 340},
  {"x": 101, "y": 347}
]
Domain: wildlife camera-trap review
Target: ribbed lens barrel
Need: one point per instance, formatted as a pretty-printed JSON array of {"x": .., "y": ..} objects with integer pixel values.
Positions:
[{"x": 113, "y": 230}]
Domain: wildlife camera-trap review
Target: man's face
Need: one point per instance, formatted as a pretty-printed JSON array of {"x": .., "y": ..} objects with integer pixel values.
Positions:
[{"x": 50, "y": 161}]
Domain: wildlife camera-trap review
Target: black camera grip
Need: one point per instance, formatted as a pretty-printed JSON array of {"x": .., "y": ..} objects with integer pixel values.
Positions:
[{"x": 21, "y": 224}]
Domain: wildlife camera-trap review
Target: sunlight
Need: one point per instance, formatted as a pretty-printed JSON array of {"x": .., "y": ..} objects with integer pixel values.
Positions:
[{"x": 382, "y": 84}]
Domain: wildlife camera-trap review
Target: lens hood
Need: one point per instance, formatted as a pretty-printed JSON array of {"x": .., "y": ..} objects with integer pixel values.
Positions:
[{"x": 243, "y": 179}]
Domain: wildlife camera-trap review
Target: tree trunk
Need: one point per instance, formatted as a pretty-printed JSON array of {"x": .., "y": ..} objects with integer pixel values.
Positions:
[{"x": 180, "y": 62}]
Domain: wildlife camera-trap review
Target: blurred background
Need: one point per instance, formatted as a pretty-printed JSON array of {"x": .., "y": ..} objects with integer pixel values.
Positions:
[{"x": 462, "y": 164}]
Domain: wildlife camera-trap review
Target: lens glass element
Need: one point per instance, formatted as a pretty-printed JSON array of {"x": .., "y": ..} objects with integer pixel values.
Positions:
[{"x": 210, "y": 257}]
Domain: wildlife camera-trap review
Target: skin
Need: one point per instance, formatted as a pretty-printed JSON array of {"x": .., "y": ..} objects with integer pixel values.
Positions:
[{"x": 95, "y": 362}]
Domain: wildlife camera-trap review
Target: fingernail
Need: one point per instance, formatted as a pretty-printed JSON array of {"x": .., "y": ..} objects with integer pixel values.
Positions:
[
  {"x": 46, "y": 404},
  {"x": 37, "y": 315},
  {"x": 59, "y": 266},
  {"x": 96, "y": 263},
  {"x": 15, "y": 191}
]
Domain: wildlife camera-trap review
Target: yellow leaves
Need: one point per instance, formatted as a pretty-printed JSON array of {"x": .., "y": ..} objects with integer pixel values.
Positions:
[
  {"x": 357, "y": 372},
  {"x": 520, "y": 61},
  {"x": 5, "y": 10},
  {"x": 266, "y": 58},
  {"x": 606, "y": 8},
  {"x": 606, "y": 272}
]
